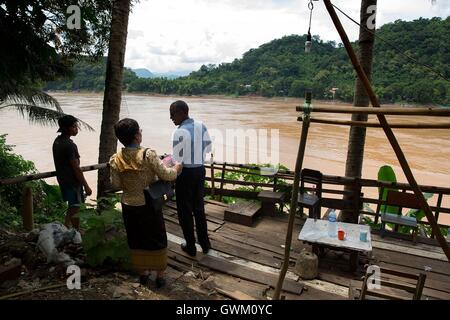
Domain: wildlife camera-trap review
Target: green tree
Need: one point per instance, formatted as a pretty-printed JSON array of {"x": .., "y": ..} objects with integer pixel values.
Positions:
[{"x": 38, "y": 46}]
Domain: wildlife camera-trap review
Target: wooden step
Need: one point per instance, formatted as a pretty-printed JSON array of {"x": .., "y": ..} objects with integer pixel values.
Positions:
[{"x": 243, "y": 213}]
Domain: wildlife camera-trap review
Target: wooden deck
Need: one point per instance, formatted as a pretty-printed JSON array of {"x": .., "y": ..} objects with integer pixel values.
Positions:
[{"x": 245, "y": 261}]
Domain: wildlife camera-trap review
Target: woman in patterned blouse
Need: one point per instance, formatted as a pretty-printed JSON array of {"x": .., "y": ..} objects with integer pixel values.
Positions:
[{"x": 132, "y": 169}]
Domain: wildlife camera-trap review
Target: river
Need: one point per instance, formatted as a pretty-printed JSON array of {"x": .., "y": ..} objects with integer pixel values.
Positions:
[{"x": 427, "y": 151}]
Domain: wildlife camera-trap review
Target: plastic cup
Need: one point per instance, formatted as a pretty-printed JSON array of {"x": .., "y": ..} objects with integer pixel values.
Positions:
[
  {"x": 341, "y": 234},
  {"x": 363, "y": 235}
]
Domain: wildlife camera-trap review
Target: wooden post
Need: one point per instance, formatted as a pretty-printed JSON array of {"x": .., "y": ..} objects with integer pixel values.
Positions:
[
  {"x": 27, "y": 209},
  {"x": 294, "y": 200},
  {"x": 438, "y": 207},
  {"x": 387, "y": 130},
  {"x": 221, "y": 181},
  {"x": 380, "y": 198},
  {"x": 212, "y": 179}
]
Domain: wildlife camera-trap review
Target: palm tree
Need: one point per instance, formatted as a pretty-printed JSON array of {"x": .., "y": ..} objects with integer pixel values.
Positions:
[
  {"x": 113, "y": 89},
  {"x": 36, "y": 105},
  {"x": 357, "y": 135}
]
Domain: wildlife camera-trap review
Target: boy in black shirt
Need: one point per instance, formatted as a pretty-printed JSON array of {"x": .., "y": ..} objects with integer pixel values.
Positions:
[{"x": 68, "y": 173}]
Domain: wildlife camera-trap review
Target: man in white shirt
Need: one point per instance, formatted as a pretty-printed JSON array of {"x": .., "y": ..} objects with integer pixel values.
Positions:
[{"x": 191, "y": 142}]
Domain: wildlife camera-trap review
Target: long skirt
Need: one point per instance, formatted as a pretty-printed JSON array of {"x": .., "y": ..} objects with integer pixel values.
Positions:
[{"x": 147, "y": 239}]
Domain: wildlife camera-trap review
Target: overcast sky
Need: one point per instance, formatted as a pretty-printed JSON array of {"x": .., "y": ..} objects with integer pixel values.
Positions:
[{"x": 181, "y": 35}]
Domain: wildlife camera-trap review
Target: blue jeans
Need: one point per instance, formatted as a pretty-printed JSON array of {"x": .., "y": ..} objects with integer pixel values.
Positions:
[{"x": 73, "y": 195}]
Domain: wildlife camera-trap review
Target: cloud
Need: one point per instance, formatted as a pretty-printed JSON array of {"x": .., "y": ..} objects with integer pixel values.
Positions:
[
  {"x": 134, "y": 34},
  {"x": 184, "y": 34}
]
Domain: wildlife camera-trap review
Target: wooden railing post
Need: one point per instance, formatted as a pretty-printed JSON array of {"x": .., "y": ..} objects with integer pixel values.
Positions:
[
  {"x": 221, "y": 181},
  {"x": 438, "y": 208},
  {"x": 380, "y": 198},
  {"x": 27, "y": 209},
  {"x": 212, "y": 180}
]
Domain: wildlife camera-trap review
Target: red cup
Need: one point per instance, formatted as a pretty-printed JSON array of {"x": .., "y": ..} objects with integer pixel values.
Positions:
[{"x": 341, "y": 234}]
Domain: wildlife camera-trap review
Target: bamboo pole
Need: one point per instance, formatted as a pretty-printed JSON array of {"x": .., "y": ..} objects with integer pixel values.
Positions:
[
  {"x": 434, "y": 112},
  {"x": 397, "y": 125},
  {"x": 294, "y": 200},
  {"x": 388, "y": 131},
  {"x": 27, "y": 209}
]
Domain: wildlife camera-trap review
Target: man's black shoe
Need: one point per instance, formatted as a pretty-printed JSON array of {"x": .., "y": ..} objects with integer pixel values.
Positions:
[
  {"x": 206, "y": 249},
  {"x": 190, "y": 251}
]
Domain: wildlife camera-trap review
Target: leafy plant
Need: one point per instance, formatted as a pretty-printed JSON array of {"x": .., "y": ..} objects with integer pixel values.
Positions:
[
  {"x": 13, "y": 165},
  {"x": 253, "y": 175},
  {"x": 105, "y": 239},
  {"x": 386, "y": 173}
]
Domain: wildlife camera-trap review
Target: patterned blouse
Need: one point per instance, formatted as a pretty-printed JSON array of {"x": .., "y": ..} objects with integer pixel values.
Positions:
[{"x": 132, "y": 172}]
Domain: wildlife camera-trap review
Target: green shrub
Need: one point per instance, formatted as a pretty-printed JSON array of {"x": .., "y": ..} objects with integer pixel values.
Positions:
[{"x": 105, "y": 239}]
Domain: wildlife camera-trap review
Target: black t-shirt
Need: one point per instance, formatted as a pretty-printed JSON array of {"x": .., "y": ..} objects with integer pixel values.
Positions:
[{"x": 65, "y": 150}]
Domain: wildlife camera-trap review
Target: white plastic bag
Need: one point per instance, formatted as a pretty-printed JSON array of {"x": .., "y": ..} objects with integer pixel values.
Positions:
[{"x": 54, "y": 235}]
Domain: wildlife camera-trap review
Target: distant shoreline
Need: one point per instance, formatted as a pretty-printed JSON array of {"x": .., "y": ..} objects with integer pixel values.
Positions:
[{"x": 242, "y": 97}]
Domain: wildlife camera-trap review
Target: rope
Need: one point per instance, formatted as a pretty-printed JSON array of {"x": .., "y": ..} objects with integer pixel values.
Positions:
[
  {"x": 394, "y": 47},
  {"x": 310, "y": 7}
]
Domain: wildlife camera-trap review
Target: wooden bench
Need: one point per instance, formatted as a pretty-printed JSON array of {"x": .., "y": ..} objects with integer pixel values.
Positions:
[
  {"x": 393, "y": 286},
  {"x": 402, "y": 200},
  {"x": 243, "y": 213},
  {"x": 269, "y": 199}
]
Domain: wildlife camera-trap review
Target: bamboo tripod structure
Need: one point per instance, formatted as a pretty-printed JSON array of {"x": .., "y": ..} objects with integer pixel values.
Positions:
[{"x": 391, "y": 137}]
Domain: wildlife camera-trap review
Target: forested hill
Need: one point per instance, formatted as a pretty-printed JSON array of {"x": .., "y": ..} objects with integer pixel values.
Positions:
[{"x": 281, "y": 68}]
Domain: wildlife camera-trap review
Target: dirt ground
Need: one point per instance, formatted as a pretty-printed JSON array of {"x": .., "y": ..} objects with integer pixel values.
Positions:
[{"x": 39, "y": 280}]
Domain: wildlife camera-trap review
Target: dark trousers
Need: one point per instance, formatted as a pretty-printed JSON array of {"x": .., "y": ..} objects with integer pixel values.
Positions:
[{"x": 190, "y": 190}]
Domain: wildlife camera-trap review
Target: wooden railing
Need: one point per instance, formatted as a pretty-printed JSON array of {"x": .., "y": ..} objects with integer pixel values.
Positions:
[
  {"x": 332, "y": 189},
  {"x": 27, "y": 207}
]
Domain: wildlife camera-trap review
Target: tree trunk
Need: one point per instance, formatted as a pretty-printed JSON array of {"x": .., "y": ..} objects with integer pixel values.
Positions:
[
  {"x": 113, "y": 89},
  {"x": 357, "y": 135}
]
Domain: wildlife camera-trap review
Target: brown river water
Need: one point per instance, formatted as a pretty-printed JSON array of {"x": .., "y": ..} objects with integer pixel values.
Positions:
[{"x": 427, "y": 151}]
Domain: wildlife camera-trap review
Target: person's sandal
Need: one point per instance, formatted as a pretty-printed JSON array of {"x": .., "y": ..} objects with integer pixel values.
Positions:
[{"x": 160, "y": 282}]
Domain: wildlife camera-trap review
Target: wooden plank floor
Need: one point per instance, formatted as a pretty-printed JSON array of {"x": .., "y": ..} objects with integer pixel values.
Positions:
[{"x": 261, "y": 248}]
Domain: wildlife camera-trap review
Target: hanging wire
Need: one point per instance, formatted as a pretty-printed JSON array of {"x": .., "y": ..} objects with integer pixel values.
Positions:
[
  {"x": 310, "y": 7},
  {"x": 393, "y": 46},
  {"x": 308, "y": 42}
]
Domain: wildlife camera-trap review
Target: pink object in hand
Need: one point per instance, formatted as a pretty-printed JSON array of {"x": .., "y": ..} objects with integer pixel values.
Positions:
[{"x": 168, "y": 161}]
